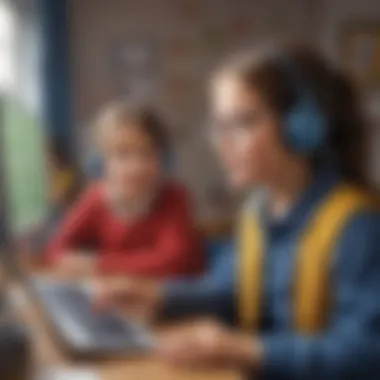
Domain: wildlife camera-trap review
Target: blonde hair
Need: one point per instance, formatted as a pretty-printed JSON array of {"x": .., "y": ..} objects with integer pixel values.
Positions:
[{"x": 125, "y": 114}]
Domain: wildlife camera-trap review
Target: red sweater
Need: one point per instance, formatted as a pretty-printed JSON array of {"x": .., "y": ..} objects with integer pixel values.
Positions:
[{"x": 161, "y": 243}]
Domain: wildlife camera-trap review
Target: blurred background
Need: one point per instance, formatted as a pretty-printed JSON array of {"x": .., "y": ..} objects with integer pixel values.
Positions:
[{"x": 60, "y": 60}]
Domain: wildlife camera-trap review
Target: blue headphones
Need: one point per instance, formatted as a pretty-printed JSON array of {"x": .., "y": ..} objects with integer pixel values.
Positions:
[{"x": 305, "y": 124}]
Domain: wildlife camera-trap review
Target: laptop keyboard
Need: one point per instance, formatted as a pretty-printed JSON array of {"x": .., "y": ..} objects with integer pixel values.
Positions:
[
  {"x": 77, "y": 303},
  {"x": 71, "y": 310}
]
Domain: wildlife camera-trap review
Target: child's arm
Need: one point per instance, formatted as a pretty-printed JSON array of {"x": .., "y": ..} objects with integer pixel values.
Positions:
[
  {"x": 176, "y": 251},
  {"x": 78, "y": 227}
]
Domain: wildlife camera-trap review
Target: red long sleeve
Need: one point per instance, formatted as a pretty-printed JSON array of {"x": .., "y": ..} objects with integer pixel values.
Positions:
[
  {"x": 162, "y": 243},
  {"x": 175, "y": 251}
]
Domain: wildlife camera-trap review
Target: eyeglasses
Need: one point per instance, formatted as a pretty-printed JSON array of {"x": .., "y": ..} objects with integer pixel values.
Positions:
[{"x": 234, "y": 126}]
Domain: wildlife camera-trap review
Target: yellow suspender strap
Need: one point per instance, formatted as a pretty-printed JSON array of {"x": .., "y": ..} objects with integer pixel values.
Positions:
[
  {"x": 313, "y": 286},
  {"x": 314, "y": 257},
  {"x": 250, "y": 249}
]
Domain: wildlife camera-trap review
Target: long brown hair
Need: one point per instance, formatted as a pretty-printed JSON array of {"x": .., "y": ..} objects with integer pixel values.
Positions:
[{"x": 263, "y": 70}]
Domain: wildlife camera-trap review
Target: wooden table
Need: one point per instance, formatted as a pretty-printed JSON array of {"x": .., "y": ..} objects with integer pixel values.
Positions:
[{"x": 49, "y": 354}]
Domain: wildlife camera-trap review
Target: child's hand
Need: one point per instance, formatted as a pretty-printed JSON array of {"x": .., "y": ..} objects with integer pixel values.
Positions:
[
  {"x": 138, "y": 297},
  {"x": 76, "y": 265},
  {"x": 211, "y": 345}
]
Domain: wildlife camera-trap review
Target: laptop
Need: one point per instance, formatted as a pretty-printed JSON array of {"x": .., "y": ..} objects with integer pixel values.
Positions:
[{"x": 82, "y": 331}]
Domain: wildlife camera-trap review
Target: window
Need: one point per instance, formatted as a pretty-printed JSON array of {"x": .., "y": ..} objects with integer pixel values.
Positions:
[
  {"x": 22, "y": 131},
  {"x": 7, "y": 39}
]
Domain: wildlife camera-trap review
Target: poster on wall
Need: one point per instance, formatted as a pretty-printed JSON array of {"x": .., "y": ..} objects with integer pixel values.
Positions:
[
  {"x": 134, "y": 67},
  {"x": 360, "y": 53}
]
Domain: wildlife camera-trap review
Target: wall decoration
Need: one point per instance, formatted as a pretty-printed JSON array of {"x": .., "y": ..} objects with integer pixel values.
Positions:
[
  {"x": 134, "y": 69},
  {"x": 360, "y": 52}
]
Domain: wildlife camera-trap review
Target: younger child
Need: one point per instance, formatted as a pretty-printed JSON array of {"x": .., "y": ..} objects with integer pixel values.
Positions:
[{"x": 134, "y": 221}]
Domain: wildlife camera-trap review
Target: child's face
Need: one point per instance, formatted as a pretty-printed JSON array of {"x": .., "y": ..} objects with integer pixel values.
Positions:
[
  {"x": 246, "y": 135},
  {"x": 132, "y": 162}
]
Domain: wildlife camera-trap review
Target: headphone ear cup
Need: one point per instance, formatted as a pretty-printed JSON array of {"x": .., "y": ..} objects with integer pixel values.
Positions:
[{"x": 305, "y": 129}]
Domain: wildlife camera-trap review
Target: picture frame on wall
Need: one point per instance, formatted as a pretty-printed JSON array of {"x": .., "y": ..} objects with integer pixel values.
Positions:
[
  {"x": 360, "y": 52},
  {"x": 133, "y": 65}
]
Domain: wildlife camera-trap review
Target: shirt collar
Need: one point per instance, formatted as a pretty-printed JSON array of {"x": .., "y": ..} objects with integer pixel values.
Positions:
[{"x": 324, "y": 180}]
